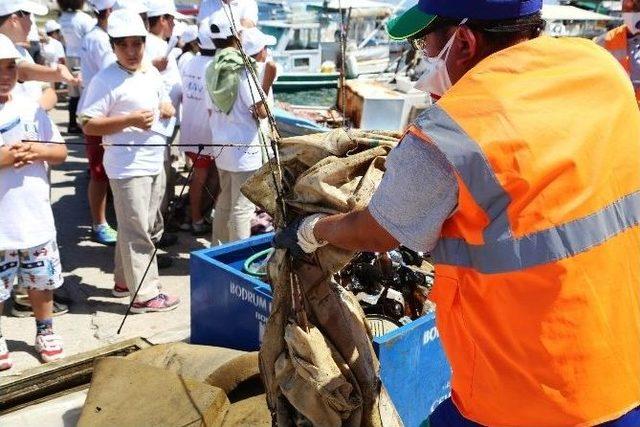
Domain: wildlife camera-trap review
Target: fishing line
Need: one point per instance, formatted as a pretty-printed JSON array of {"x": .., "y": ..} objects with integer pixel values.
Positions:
[
  {"x": 108, "y": 144},
  {"x": 296, "y": 290},
  {"x": 275, "y": 140}
]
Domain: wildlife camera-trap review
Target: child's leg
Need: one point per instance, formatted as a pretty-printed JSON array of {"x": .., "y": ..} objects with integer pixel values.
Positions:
[
  {"x": 198, "y": 180},
  {"x": 5, "y": 356},
  {"x": 41, "y": 273},
  {"x": 8, "y": 269},
  {"x": 42, "y": 303},
  {"x": 131, "y": 200}
]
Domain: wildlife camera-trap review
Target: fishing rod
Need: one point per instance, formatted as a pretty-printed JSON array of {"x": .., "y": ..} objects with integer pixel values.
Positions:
[{"x": 297, "y": 300}]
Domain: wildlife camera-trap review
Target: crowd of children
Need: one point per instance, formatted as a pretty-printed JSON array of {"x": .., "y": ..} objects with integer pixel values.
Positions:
[{"x": 135, "y": 75}]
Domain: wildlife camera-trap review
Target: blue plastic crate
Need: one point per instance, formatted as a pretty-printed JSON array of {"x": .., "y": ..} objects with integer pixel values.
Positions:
[{"x": 229, "y": 308}]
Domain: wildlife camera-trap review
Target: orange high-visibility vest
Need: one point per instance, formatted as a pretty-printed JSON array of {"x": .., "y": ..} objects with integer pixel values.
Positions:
[
  {"x": 615, "y": 41},
  {"x": 538, "y": 270}
]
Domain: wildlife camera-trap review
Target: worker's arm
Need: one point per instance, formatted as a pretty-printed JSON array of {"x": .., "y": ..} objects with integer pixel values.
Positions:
[
  {"x": 48, "y": 99},
  {"x": 100, "y": 126},
  {"x": 355, "y": 231},
  {"x": 28, "y": 71},
  {"x": 417, "y": 194}
]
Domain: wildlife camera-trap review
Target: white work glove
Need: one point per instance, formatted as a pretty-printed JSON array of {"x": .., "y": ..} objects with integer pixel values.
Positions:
[{"x": 306, "y": 239}]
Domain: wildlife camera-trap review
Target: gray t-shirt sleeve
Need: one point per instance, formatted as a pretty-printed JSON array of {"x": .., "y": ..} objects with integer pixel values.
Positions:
[{"x": 417, "y": 194}]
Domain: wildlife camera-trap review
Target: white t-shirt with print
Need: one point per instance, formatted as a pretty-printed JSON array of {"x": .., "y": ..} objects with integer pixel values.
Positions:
[
  {"x": 237, "y": 127},
  {"x": 115, "y": 91},
  {"x": 183, "y": 59},
  {"x": 74, "y": 26},
  {"x": 242, "y": 9},
  {"x": 26, "y": 216},
  {"x": 194, "y": 128}
]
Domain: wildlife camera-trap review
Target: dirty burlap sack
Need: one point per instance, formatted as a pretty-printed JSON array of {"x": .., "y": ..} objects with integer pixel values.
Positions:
[{"x": 330, "y": 374}]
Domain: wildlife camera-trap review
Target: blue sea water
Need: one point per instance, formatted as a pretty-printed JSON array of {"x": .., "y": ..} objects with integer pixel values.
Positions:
[{"x": 321, "y": 97}]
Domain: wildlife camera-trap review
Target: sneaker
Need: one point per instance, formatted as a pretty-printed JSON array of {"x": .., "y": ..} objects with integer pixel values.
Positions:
[
  {"x": 20, "y": 309},
  {"x": 164, "y": 261},
  {"x": 120, "y": 291},
  {"x": 162, "y": 302},
  {"x": 50, "y": 347},
  {"x": 200, "y": 229},
  {"x": 5, "y": 356},
  {"x": 167, "y": 240},
  {"x": 105, "y": 235}
]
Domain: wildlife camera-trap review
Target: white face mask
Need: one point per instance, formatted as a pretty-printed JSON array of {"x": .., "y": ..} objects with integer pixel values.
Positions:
[
  {"x": 632, "y": 21},
  {"x": 435, "y": 80}
]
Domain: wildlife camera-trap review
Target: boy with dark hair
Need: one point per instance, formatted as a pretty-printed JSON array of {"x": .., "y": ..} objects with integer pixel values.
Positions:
[{"x": 122, "y": 104}]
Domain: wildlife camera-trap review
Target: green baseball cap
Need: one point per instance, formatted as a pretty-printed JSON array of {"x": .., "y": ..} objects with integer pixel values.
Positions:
[
  {"x": 409, "y": 23},
  {"x": 422, "y": 15}
]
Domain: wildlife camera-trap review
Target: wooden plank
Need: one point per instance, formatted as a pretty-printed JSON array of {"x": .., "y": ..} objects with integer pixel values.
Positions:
[{"x": 53, "y": 379}]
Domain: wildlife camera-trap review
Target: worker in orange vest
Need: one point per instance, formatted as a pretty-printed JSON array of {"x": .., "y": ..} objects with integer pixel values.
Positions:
[
  {"x": 523, "y": 181},
  {"x": 624, "y": 42}
]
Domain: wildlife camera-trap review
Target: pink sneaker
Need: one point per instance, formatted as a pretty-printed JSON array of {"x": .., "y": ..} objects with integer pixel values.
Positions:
[
  {"x": 162, "y": 302},
  {"x": 5, "y": 356},
  {"x": 120, "y": 290},
  {"x": 50, "y": 347}
]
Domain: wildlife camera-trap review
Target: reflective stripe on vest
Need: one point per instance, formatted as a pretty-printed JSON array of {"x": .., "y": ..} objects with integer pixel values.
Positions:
[{"x": 501, "y": 252}]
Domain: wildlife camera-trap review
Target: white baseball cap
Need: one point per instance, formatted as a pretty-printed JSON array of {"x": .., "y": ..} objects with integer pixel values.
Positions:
[
  {"x": 99, "y": 5},
  {"x": 137, "y": 6},
  {"x": 7, "y": 7},
  {"x": 125, "y": 23},
  {"x": 8, "y": 49},
  {"x": 189, "y": 34},
  {"x": 50, "y": 26},
  {"x": 204, "y": 36},
  {"x": 219, "y": 25},
  {"x": 254, "y": 40},
  {"x": 163, "y": 7}
]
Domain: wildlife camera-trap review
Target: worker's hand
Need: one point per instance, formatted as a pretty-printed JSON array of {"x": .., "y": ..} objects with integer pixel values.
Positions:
[
  {"x": 298, "y": 236},
  {"x": 64, "y": 75},
  {"x": 161, "y": 63},
  {"x": 142, "y": 119},
  {"x": 166, "y": 110}
]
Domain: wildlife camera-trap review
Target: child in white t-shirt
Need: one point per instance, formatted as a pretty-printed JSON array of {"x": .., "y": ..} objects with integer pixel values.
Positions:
[
  {"x": 235, "y": 105},
  {"x": 28, "y": 249},
  {"x": 124, "y": 104},
  {"x": 195, "y": 126},
  {"x": 52, "y": 48}
]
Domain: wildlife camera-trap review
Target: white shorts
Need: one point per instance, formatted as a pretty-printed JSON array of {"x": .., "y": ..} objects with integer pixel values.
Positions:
[{"x": 36, "y": 268}]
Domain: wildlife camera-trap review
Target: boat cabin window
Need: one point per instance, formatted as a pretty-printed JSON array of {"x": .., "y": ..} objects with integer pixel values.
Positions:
[
  {"x": 304, "y": 39},
  {"x": 301, "y": 62}
]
